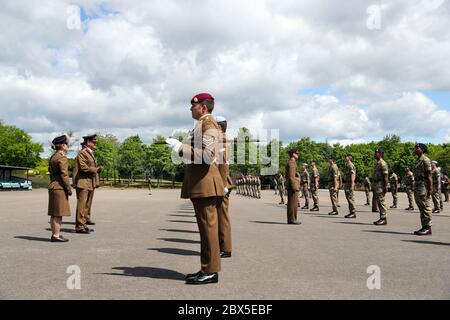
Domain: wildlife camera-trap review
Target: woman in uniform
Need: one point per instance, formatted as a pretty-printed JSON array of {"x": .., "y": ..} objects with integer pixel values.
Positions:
[{"x": 59, "y": 188}]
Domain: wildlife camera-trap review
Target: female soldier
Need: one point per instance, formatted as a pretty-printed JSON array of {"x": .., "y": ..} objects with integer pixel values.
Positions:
[{"x": 59, "y": 188}]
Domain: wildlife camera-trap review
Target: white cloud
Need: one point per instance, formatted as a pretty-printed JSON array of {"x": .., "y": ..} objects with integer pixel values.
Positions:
[{"x": 135, "y": 71}]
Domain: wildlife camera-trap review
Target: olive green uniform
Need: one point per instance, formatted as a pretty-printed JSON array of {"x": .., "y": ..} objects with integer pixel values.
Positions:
[
  {"x": 305, "y": 185},
  {"x": 422, "y": 169},
  {"x": 436, "y": 194},
  {"x": 378, "y": 189},
  {"x": 393, "y": 182},
  {"x": 409, "y": 184},
  {"x": 312, "y": 186},
  {"x": 367, "y": 189},
  {"x": 333, "y": 172},
  {"x": 349, "y": 170}
]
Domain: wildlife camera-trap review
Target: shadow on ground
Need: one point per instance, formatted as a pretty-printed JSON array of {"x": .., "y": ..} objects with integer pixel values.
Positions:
[
  {"x": 268, "y": 222},
  {"x": 148, "y": 272},
  {"x": 428, "y": 242},
  {"x": 179, "y": 230},
  {"x": 179, "y": 240},
  {"x": 181, "y": 252},
  {"x": 33, "y": 238}
]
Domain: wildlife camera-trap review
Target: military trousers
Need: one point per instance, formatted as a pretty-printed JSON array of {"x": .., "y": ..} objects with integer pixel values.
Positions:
[
  {"x": 394, "y": 197},
  {"x": 315, "y": 196},
  {"x": 410, "y": 194},
  {"x": 423, "y": 201},
  {"x": 281, "y": 192},
  {"x": 292, "y": 206},
  {"x": 436, "y": 196},
  {"x": 206, "y": 212},
  {"x": 89, "y": 207},
  {"x": 224, "y": 225},
  {"x": 446, "y": 194},
  {"x": 84, "y": 197},
  {"x": 374, "y": 202},
  {"x": 305, "y": 193},
  {"x": 380, "y": 197},
  {"x": 367, "y": 196},
  {"x": 333, "y": 198},
  {"x": 350, "y": 195}
]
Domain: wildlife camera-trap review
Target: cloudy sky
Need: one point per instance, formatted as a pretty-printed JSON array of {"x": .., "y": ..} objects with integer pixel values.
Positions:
[{"x": 345, "y": 71}]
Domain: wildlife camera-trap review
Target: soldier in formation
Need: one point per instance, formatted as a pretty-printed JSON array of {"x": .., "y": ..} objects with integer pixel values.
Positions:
[
  {"x": 409, "y": 185},
  {"x": 393, "y": 184},
  {"x": 314, "y": 185}
]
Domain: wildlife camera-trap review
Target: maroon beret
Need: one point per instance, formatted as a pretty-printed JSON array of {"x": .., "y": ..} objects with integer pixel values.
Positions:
[{"x": 201, "y": 97}]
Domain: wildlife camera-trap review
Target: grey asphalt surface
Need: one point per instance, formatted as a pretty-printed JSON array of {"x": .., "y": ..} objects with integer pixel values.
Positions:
[{"x": 143, "y": 246}]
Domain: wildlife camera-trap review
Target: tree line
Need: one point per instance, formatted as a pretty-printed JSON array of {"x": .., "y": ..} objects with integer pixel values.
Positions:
[{"x": 132, "y": 158}]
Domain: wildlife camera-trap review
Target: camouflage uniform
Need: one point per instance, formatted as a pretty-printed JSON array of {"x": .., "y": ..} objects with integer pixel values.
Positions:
[
  {"x": 409, "y": 183},
  {"x": 304, "y": 181},
  {"x": 378, "y": 189},
  {"x": 332, "y": 176},
  {"x": 349, "y": 194},
  {"x": 367, "y": 190},
  {"x": 423, "y": 200},
  {"x": 312, "y": 186},
  {"x": 393, "y": 182},
  {"x": 436, "y": 195}
]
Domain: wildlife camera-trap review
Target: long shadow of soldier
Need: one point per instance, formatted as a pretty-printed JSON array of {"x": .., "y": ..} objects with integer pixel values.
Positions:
[
  {"x": 181, "y": 252},
  {"x": 148, "y": 272}
]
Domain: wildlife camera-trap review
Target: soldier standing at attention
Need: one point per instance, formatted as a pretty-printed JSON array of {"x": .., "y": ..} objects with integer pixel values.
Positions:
[
  {"x": 281, "y": 186},
  {"x": 409, "y": 184},
  {"x": 86, "y": 180},
  {"x": 367, "y": 189},
  {"x": 446, "y": 184},
  {"x": 339, "y": 188},
  {"x": 59, "y": 188},
  {"x": 333, "y": 185},
  {"x": 222, "y": 212},
  {"x": 441, "y": 187},
  {"x": 293, "y": 187},
  {"x": 314, "y": 185},
  {"x": 380, "y": 180},
  {"x": 393, "y": 181},
  {"x": 436, "y": 193},
  {"x": 349, "y": 185},
  {"x": 423, "y": 188},
  {"x": 305, "y": 185},
  {"x": 275, "y": 184},
  {"x": 203, "y": 184}
]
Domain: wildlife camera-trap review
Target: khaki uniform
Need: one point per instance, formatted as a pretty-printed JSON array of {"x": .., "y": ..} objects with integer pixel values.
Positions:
[
  {"x": 293, "y": 187},
  {"x": 436, "y": 194},
  {"x": 349, "y": 193},
  {"x": 409, "y": 184},
  {"x": 421, "y": 170},
  {"x": 380, "y": 171},
  {"x": 446, "y": 187},
  {"x": 281, "y": 187},
  {"x": 222, "y": 211},
  {"x": 85, "y": 180},
  {"x": 339, "y": 186},
  {"x": 367, "y": 189},
  {"x": 393, "y": 182},
  {"x": 333, "y": 177},
  {"x": 203, "y": 184},
  {"x": 59, "y": 187},
  {"x": 305, "y": 183},
  {"x": 312, "y": 180}
]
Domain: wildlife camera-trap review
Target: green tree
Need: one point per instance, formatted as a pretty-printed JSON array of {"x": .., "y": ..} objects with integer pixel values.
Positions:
[
  {"x": 107, "y": 154},
  {"x": 17, "y": 147},
  {"x": 131, "y": 157}
]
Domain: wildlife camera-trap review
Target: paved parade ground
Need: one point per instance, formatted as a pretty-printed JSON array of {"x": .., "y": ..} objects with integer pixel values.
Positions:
[{"x": 143, "y": 246}]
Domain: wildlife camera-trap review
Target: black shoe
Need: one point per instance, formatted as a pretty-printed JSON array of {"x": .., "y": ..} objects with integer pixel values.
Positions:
[
  {"x": 225, "y": 254},
  {"x": 203, "y": 278},
  {"x": 295, "y": 222},
  {"x": 393, "y": 206},
  {"x": 351, "y": 216},
  {"x": 376, "y": 211},
  {"x": 314, "y": 209},
  {"x": 90, "y": 223},
  {"x": 84, "y": 231},
  {"x": 367, "y": 204},
  {"x": 193, "y": 275},
  {"x": 333, "y": 213},
  {"x": 59, "y": 239},
  {"x": 436, "y": 211},
  {"x": 380, "y": 222},
  {"x": 424, "y": 232},
  {"x": 305, "y": 207}
]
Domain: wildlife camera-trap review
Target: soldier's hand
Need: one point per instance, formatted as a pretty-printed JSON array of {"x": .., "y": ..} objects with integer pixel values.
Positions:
[
  {"x": 69, "y": 193},
  {"x": 174, "y": 144}
]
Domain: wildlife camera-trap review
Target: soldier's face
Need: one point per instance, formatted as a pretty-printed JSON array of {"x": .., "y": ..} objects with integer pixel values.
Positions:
[
  {"x": 418, "y": 151},
  {"x": 198, "y": 110},
  {"x": 377, "y": 156}
]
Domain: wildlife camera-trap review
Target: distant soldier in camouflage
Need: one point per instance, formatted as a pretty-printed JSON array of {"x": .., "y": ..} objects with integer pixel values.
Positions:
[
  {"x": 393, "y": 185},
  {"x": 436, "y": 193},
  {"x": 281, "y": 186},
  {"x": 380, "y": 183},
  {"x": 314, "y": 179},
  {"x": 367, "y": 189},
  {"x": 333, "y": 185},
  {"x": 409, "y": 185},
  {"x": 341, "y": 184},
  {"x": 423, "y": 189},
  {"x": 349, "y": 185},
  {"x": 258, "y": 187},
  {"x": 304, "y": 182},
  {"x": 446, "y": 185},
  {"x": 441, "y": 200},
  {"x": 275, "y": 184}
]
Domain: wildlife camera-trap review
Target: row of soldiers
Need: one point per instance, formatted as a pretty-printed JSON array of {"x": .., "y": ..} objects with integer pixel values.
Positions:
[
  {"x": 423, "y": 183},
  {"x": 249, "y": 186}
]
